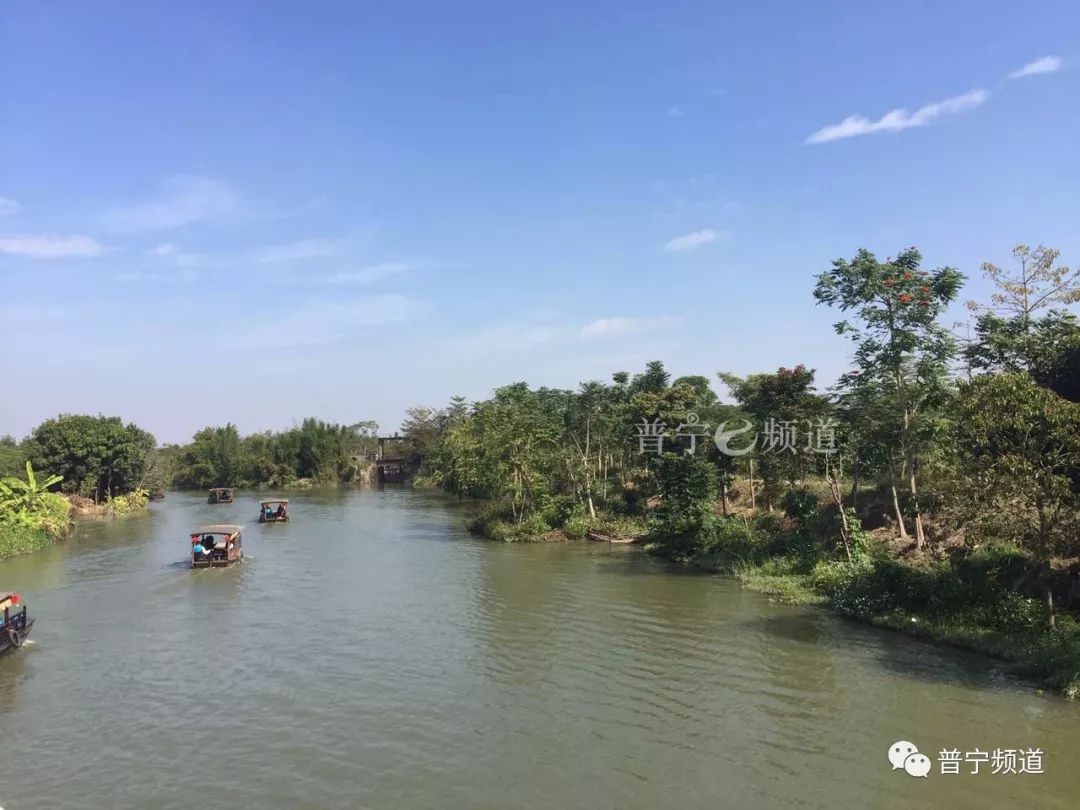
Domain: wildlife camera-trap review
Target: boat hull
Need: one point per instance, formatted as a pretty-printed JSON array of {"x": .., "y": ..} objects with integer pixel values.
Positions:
[{"x": 6, "y": 643}]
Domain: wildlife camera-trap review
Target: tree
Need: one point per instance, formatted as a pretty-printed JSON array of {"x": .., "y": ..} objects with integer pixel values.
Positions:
[
  {"x": 686, "y": 512},
  {"x": 421, "y": 430},
  {"x": 1017, "y": 458},
  {"x": 1059, "y": 368},
  {"x": 12, "y": 456},
  {"x": 1036, "y": 284},
  {"x": 1017, "y": 344},
  {"x": 98, "y": 456},
  {"x": 213, "y": 459},
  {"x": 773, "y": 401},
  {"x": 898, "y": 339},
  {"x": 1008, "y": 335}
]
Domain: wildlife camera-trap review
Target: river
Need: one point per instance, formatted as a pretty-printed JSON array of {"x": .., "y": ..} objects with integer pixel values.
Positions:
[{"x": 371, "y": 654}]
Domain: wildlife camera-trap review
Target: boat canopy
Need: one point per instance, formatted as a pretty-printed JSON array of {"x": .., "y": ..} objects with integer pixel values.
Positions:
[
  {"x": 222, "y": 489},
  {"x": 277, "y": 500},
  {"x": 218, "y": 528},
  {"x": 9, "y": 599}
]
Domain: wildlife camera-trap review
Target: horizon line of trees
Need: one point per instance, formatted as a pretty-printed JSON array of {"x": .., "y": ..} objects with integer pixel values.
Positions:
[{"x": 965, "y": 443}]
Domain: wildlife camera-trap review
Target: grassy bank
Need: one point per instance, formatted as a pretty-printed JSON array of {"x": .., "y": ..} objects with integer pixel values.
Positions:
[
  {"x": 560, "y": 520},
  {"x": 968, "y": 602},
  {"x": 969, "y": 599},
  {"x": 15, "y": 540}
]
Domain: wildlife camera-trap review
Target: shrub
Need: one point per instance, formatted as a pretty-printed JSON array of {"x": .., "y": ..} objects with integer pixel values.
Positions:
[
  {"x": 576, "y": 527},
  {"x": 20, "y": 539},
  {"x": 802, "y": 506}
]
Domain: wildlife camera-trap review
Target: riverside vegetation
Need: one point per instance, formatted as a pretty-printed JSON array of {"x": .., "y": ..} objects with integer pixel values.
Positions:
[
  {"x": 950, "y": 507},
  {"x": 96, "y": 467}
]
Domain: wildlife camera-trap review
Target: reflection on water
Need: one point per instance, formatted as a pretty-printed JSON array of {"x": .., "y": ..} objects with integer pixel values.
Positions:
[{"x": 369, "y": 653}]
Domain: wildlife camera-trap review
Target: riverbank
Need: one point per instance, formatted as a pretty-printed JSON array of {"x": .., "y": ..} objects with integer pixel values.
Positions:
[
  {"x": 36, "y": 531},
  {"x": 1008, "y": 628},
  {"x": 16, "y": 540},
  {"x": 963, "y": 601}
]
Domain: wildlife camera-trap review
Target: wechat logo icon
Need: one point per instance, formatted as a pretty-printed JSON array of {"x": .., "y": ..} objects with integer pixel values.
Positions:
[{"x": 905, "y": 755}]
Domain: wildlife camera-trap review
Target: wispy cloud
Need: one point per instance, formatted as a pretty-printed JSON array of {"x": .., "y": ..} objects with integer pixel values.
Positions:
[
  {"x": 162, "y": 249},
  {"x": 44, "y": 246},
  {"x": 1045, "y": 64},
  {"x": 618, "y": 327},
  {"x": 8, "y": 207},
  {"x": 367, "y": 275},
  {"x": 900, "y": 119},
  {"x": 183, "y": 200},
  {"x": 139, "y": 277},
  {"x": 675, "y": 111},
  {"x": 325, "y": 322},
  {"x": 298, "y": 251},
  {"x": 693, "y": 240}
]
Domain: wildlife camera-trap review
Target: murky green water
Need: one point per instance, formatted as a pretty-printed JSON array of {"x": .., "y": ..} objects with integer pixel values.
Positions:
[{"x": 371, "y": 654}]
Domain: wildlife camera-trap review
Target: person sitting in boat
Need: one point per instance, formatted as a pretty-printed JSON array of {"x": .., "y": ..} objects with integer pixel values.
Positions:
[
  {"x": 199, "y": 550},
  {"x": 280, "y": 513}
]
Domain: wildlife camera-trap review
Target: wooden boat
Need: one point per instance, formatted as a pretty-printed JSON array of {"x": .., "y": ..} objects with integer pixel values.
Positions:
[
  {"x": 273, "y": 511},
  {"x": 221, "y": 495},
  {"x": 619, "y": 541},
  {"x": 157, "y": 495},
  {"x": 217, "y": 546},
  {"x": 17, "y": 624}
]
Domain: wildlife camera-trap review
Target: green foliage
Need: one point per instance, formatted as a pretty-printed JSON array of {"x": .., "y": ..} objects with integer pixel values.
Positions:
[
  {"x": 802, "y": 506},
  {"x": 785, "y": 397},
  {"x": 97, "y": 456},
  {"x": 134, "y": 501},
  {"x": 685, "y": 520},
  {"x": 20, "y": 539},
  {"x": 12, "y": 456},
  {"x": 315, "y": 452},
  {"x": 31, "y": 506}
]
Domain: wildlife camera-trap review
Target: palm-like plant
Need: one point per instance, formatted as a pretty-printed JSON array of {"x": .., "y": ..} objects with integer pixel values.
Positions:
[{"x": 27, "y": 496}]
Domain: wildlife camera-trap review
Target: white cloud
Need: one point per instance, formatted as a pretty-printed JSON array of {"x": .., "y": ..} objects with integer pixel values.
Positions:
[
  {"x": 617, "y": 327},
  {"x": 366, "y": 275},
  {"x": 900, "y": 119},
  {"x": 1046, "y": 64},
  {"x": 163, "y": 249},
  {"x": 8, "y": 207},
  {"x": 44, "y": 246},
  {"x": 692, "y": 241},
  {"x": 183, "y": 200},
  {"x": 184, "y": 276},
  {"x": 297, "y": 251},
  {"x": 675, "y": 112}
]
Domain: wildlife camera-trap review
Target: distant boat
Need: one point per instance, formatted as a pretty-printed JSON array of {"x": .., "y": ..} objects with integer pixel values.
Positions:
[
  {"x": 273, "y": 511},
  {"x": 221, "y": 495},
  {"x": 157, "y": 495}
]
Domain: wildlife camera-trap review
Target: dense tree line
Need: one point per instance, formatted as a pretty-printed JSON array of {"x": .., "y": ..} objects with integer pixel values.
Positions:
[
  {"x": 313, "y": 453},
  {"x": 951, "y": 447}
]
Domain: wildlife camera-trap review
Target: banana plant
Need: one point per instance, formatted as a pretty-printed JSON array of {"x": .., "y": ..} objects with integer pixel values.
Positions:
[{"x": 30, "y": 495}]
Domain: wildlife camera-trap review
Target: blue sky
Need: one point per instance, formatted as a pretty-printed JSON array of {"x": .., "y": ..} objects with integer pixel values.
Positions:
[{"x": 259, "y": 211}]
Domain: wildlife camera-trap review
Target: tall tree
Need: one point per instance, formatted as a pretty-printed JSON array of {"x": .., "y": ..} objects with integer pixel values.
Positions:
[
  {"x": 1017, "y": 449},
  {"x": 782, "y": 405},
  {"x": 98, "y": 456},
  {"x": 898, "y": 338},
  {"x": 1037, "y": 282}
]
